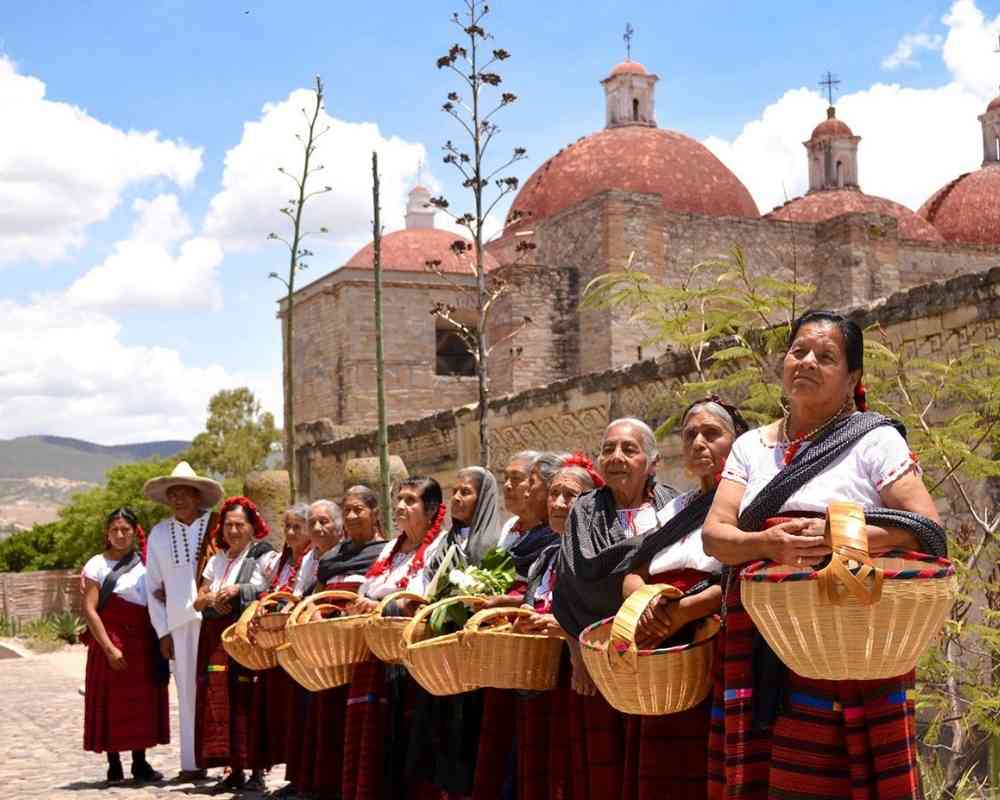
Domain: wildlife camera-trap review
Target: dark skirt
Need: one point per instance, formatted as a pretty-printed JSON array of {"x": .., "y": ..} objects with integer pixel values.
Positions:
[
  {"x": 297, "y": 761},
  {"x": 597, "y": 742},
  {"x": 667, "y": 755},
  {"x": 496, "y": 758},
  {"x": 224, "y": 714},
  {"x": 544, "y": 759},
  {"x": 127, "y": 709},
  {"x": 847, "y": 739},
  {"x": 444, "y": 741},
  {"x": 271, "y": 710},
  {"x": 322, "y": 746}
]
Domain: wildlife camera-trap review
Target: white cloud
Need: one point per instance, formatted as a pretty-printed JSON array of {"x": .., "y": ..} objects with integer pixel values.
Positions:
[
  {"x": 906, "y": 49},
  {"x": 246, "y": 209},
  {"x": 913, "y": 140},
  {"x": 62, "y": 170},
  {"x": 156, "y": 267},
  {"x": 63, "y": 365}
]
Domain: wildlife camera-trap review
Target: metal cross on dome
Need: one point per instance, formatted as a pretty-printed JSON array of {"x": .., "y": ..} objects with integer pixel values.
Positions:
[
  {"x": 629, "y": 33},
  {"x": 829, "y": 81}
]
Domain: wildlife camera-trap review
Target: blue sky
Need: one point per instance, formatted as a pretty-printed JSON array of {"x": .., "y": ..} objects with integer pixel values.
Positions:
[{"x": 140, "y": 361}]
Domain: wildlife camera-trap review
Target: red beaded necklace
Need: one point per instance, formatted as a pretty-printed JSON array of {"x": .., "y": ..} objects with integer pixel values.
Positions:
[
  {"x": 289, "y": 585},
  {"x": 795, "y": 444},
  {"x": 383, "y": 565}
]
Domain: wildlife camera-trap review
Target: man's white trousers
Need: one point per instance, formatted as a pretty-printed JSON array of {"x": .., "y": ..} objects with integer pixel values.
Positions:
[{"x": 186, "y": 679}]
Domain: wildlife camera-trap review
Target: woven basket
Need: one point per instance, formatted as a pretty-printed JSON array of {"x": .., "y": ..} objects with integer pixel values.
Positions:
[
  {"x": 634, "y": 681},
  {"x": 314, "y": 679},
  {"x": 503, "y": 659},
  {"x": 237, "y": 644},
  {"x": 384, "y": 635},
  {"x": 335, "y": 642},
  {"x": 267, "y": 628},
  {"x": 851, "y": 639},
  {"x": 439, "y": 664}
]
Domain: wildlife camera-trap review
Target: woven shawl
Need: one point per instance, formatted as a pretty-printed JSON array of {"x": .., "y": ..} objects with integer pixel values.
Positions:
[
  {"x": 528, "y": 547},
  {"x": 345, "y": 558},
  {"x": 596, "y": 554}
]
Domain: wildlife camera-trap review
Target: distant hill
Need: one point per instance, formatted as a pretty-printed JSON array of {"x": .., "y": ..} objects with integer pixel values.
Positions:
[{"x": 74, "y": 459}]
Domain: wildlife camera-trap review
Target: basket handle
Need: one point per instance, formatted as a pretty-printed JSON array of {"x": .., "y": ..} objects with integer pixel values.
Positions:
[
  {"x": 482, "y": 619},
  {"x": 384, "y": 602},
  {"x": 313, "y": 600},
  {"x": 411, "y": 629},
  {"x": 242, "y": 625},
  {"x": 622, "y": 650},
  {"x": 845, "y": 526}
]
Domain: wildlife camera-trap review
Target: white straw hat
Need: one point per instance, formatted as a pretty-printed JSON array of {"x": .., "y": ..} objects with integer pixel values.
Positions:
[{"x": 156, "y": 488}]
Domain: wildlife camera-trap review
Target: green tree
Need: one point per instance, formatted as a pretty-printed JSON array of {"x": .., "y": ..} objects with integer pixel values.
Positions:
[
  {"x": 79, "y": 531},
  {"x": 238, "y": 436}
]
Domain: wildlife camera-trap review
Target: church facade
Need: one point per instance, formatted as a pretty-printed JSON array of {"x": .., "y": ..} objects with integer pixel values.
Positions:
[{"x": 630, "y": 193}]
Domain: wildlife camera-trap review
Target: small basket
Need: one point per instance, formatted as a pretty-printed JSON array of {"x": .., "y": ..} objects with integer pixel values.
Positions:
[
  {"x": 267, "y": 628},
  {"x": 384, "y": 635},
  {"x": 237, "y": 645},
  {"x": 335, "y": 642},
  {"x": 633, "y": 681},
  {"x": 313, "y": 679},
  {"x": 876, "y": 625},
  {"x": 439, "y": 664},
  {"x": 503, "y": 659}
]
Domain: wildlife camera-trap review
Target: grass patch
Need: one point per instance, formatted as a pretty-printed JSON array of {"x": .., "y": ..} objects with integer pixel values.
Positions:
[{"x": 46, "y": 634}]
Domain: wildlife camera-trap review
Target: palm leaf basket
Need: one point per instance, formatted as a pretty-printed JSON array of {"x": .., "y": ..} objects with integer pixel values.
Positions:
[
  {"x": 236, "y": 642},
  {"x": 501, "y": 658},
  {"x": 851, "y": 639},
  {"x": 313, "y": 679},
  {"x": 267, "y": 628},
  {"x": 439, "y": 663},
  {"x": 384, "y": 635},
  {"x": 662, "y": 681},
  {"x": 334, "y": 642}
]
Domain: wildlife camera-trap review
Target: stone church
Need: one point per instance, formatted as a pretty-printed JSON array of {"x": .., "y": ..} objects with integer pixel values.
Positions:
[{"x": 635, "y": 190}]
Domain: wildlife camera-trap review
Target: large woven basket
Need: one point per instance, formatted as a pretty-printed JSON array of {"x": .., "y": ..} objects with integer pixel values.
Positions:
[
  {"x": 503, "y": 659},
  {"x": 384, "y": 635},
  {"x": 335, "y": 642},
  {"x": 850, "y": 638},
  {"x": 439, "y": 664},
  {"x": 663, "y": 681},
  {"x": 236, "y": 643},
  {"x": 267, "y": 628},
  {"x": 314, "y": 679}
]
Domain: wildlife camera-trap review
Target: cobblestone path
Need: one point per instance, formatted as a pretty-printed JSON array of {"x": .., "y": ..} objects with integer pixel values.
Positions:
[{"x": 41, "y": 737}]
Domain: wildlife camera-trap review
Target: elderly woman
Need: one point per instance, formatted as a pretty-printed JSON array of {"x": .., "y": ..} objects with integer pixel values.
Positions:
[
  {"x": 545, "y": 721},
  {"x": 232, "y": 579},
  {"x": 339, "y": 560},
  {"x": 669, "y": 754},
  {"x": 515, "y": 482},
  {"x": 775, "y": 489},
  {"x": 277, "y": 730},
  {"x": 126, "y": 689},
  {"x": 378, "y": 718}
]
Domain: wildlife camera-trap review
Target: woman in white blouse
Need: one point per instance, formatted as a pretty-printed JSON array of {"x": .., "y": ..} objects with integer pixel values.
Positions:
[
  {"x": 233, "y": 578},
  {"x": 126, "y": 689}
]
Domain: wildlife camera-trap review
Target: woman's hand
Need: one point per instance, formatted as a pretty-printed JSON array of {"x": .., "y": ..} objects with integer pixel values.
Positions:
[
  {"x": 580, "y": 680},
  {"x": 662, "y": 618},
  {"x": 361, "y": 606},
  {"x": 798, "y": 542},
  {"x": 161, "y": 594},
  {"x": 116, "y": 659},
  {"x": 502, "y": 601},
  {"x": 541, "y": 624}
]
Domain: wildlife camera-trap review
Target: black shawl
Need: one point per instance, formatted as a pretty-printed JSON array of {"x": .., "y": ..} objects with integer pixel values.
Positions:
[
  {"x": 248, "y": 592},
  {"x": 121, "y": 567},
  {"x": 345, "y": 558},
  {"x": 529, "y": 546},
  {"x": 537, "y": 572},
  {"x": 770, "y": 674},
  {"x": 596, "y": 555}
]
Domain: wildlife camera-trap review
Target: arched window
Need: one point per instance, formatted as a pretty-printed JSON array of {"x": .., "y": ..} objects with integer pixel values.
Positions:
[
  {"x": 635, "y": 109},
  {"x": 452, "y": 356},
  {"x": 840, "y": 175}
]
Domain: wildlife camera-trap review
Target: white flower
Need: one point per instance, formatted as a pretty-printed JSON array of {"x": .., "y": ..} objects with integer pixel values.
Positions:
[{"x": 461, "y": 579}]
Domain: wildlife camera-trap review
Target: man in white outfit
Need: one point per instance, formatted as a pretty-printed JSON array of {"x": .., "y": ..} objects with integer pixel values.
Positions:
[{"x": 174, "y": 559}]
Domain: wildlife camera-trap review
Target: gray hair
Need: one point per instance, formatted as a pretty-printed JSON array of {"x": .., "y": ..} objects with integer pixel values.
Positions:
[
  {"x": 548, "y": 464},
  {"x": 299, "y": 511},
  {"x": 580, "y": 474},
  {"x": 647, "y": 439},
  {"x": 331, "y": 508},
  {"x": 531, "y": 456},
  {"x": 716, "y": 411}
]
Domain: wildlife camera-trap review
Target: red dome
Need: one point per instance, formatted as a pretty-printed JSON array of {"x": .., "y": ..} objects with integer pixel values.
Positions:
[
  {"x": 635, "y": 159},
  {"x": 628, "y": 68},
  {"x": 410, "y": 250},
  {"x": 824, "y": 205},
  {"x": 831, "y": 127},
  {"x": 968, "y": 208}
]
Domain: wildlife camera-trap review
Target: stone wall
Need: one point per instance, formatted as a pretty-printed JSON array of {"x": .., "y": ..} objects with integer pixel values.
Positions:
[
  {"x": 25, "y": 596},
  {"x": 932, "y": 320}
]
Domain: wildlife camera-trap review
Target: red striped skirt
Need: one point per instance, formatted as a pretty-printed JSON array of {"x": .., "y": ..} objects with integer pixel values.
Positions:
[
  {"x": 322, "y": 746},
  {"x": 297, "y": 761},
  {"x": 269, "y": 716},
  {"x": 597, "y": 742},
  {"x": 544, "y": 760},
  {"x": 224, "y": 714},
  {"x": 667, "y": 756},
  {"x": 834, "y": 739},
  {"x": 127, "y": 709},
  {"x": 496, "y": 756}
]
